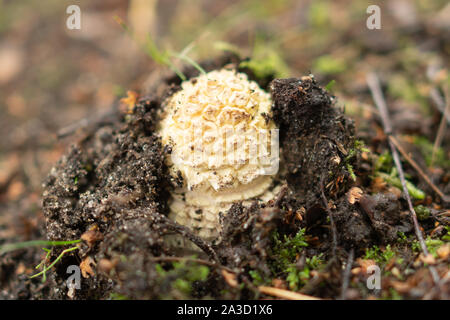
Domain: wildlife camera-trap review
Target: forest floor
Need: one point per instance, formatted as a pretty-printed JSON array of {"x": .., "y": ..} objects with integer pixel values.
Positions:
[{"x": 320, "y": 238}]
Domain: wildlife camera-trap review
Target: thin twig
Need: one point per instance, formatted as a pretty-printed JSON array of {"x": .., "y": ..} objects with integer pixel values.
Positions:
[
  {"x": 346, "y": 276},
  {"x": 4, "y": 185},
  {"x": 281, "y": 195},
  {"x": 285, "y": 294},
  {"x": 333, "y": 226},
  {"x": 444, "y": 197},
  {"x": 374, "y": 86},
  {"x": 442, "y": 126},
  {"x": 187, "y": 233},
  {"x": 89, "y": 124},
  {"x": 439, "y": 102},
  {"x": 251, "y": 286},
  {"x": 314, "y": 282}
]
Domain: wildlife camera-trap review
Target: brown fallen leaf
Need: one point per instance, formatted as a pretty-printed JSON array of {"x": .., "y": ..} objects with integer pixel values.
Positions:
[
  {"x": 354, "y": 194},
  {"x": 300, "y": 213},
  {"x": 12, "y": 60},
  {"x": 356, "y": 271},
  {"x": 86, "y": 267},
  {"x": 444, "y": 251},
  {"x": 428, "y": 259},
  {"x": 402, "y": 287},
  {"x": 279, "y": 283},
  {"x": 378, "y": 184},
  {"x": 336, "y": 160},
  {"x": 20, "y": 268},
  {"x": 395, "y": 191},
  {"x": 396, "y": 272},
  {"x": 129, "y": 102},
  {"x": 92, "y": 236},
  {"x": 230, "y": 278},
  {"x": 365, "y": 263},
  {"x": 106, "y": 265}
]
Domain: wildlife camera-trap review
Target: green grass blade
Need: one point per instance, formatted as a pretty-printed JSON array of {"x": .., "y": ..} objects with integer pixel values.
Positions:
[
  {"x": 35, "y": 243},
  {"x": 44, "y": 271}
]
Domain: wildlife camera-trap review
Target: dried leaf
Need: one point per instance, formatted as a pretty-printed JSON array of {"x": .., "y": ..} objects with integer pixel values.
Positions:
[
  {"x": 130, "y": 101},
  {"x": 86, "y": 267},
  {"x": 92, "y": 236},
  {"x": 444, "y": 251},
  {"x": 365, "y": 263},
  {"x": 230, "y": 278},
  {"x": 428, "y": 259},
  {"x": 354, "y": 195}
]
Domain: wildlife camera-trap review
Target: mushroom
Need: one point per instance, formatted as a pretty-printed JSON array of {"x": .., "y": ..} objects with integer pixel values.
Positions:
[{"x": 224, "y": 147}]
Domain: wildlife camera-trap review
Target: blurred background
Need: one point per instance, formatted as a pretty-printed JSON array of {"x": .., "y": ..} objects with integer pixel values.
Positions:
[{"x": 52, "y": 77}]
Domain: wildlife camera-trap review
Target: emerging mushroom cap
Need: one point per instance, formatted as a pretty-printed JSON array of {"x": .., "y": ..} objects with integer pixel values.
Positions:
[{"x": 222, "y": 138}]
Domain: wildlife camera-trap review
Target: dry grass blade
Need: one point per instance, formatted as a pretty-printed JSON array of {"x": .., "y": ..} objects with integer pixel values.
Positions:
[
  {"x": 346, "y": 276},
  {"x": 187, "y": 233},
  {"x": 439, "y": 102},
  {"x": 442, "y": 127},
  {"x": 374, "y": 86},
  {"x": 333, "y": 225},
  {"x": 285, "y": 294},
  {"x": 444, "y": 197}
]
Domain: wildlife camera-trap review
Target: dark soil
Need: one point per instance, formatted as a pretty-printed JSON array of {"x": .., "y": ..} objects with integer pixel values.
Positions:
[
  {"x": 338, "y": 212},
  {"x": 111, "y": 189}
]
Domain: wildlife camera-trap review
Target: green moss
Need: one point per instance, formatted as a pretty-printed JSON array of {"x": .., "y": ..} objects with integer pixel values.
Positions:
[
  {"x": 329, "y": 65},
  {"x": 402, "y": 238},
  {"x": 319, "y": 14},
  {"x": 358, "y": 147},
  {"x": 446, "y": 237},
  {"x": 286, "y": 250},
  {"x": 160, "y": 270},
  {"x": 182, "y": 275},
  {"x": 257, "y": 278},
  {"x": 182, "y": 285},
  {"x": 393, "y": 180},
  {"x": 426, "y": 149},
  {"x": 381, "y": 257},
  {"x": 329, "y": 87},
  {"x": 401, "y": 87},
  {"x": 384, "y": 162},
  {"x": 117, "y": 296},
  {"x": 285, "y": 253},
  {"x": 392, "y": 295},
  {"x": 422, "y": 212},
  {"x": 266, "y": 61},
  {"x": 351, "y": 171},
  {"x": 432, "y": 245},
  {"x": 119, "y": 91},
  {"x": 298, "y": 277}
]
